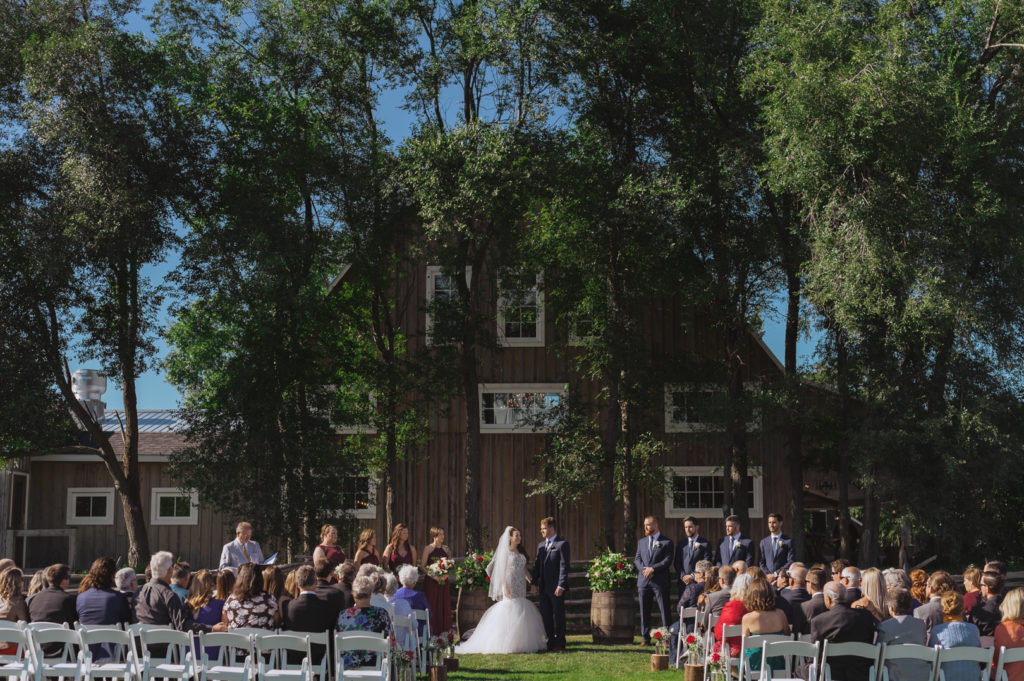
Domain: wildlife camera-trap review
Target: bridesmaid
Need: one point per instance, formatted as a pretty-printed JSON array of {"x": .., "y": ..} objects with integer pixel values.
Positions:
[
  {"x": 399, "y": 552},
  {"x": 439, "y": 594},
  {"x": 367, "y": 553},
  {"x": 328, "y": 548}
]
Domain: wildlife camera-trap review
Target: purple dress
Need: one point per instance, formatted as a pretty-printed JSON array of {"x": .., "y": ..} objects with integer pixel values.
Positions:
[{"x": 210, "y": 614}]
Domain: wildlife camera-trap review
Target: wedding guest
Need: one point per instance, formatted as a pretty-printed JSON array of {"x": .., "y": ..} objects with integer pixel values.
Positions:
[
  {"x": 972, "y": 586},
  {"x": 7, "y": 563},
  {"x": 873, "y": 594},
  {"x": 815, "y": 605},
  {"x": 12, "y": 603},
  {"x": 762, "y": 618},
  {"x": 437, "y": 589},
  {"x": 366, "y": 553},
  {"x": 346, "y": 572},
  {"x": 901, "y": 628},
  {"x": 939, "y": 583},
  {"x": 241, "y": 550},
  {"x": 291, "y": 588},
  {"x": 308, "y": 612},
  {"x": 711, "y": 585},
  {"x": 919, "y": 586},
  {"x": 399, "y": 606},
  {"x": 399, "y": 551},
  {"x": 181, "y": 575},
  {"x": 718, "y": 598},
  {"x": 249, "y": 605},
  {"x": 37, "y": 584},
  {"x": 733, "y": 611},
  {"x": 692, "y": 593},
  {"x": 379, "y": 597},
  {"x": 1010, "y": 632},
  {"x": 841, "y": 624},
  {"x": 985, "y": 614},
  {"x": 205, "y": 607},
  {"x": 225, "y": 584},
  {"x": 953, "y": 632},
  {"x": 273, "y": 581},
  {"x": 157, "y": 604},
  {"x": 850, "y": 578},
  {"x": 54, "y": 603},
  {"x": 99, "y": 603},
  {"x": 328, "y": 548},
  {"x": 896, "y": 578},
  {"x": 408, "y": 575},
  {"x": 364, "y": 617},
  {"x": 336, "y": 597}
]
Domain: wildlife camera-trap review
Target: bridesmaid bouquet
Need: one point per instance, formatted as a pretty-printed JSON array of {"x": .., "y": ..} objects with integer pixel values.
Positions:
[{"x": 441, "y": 567}]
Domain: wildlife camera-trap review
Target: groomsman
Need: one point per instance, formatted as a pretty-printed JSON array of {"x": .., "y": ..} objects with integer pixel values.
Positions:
[
  {"x": 776, "y": 550},
  {"x": 550, "y": 579},
  {"x": 689, "y": 552},
  {"x": 653, "y": 560},
  {"x": 734, "y": 546}
]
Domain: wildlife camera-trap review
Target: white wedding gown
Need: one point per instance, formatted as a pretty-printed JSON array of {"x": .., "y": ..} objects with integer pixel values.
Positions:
[{"x": 511, "y": 625}]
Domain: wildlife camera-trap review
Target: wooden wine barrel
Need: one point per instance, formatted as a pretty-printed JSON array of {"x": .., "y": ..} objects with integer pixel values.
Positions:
[
  {"x": 471, "y": 607},
  {"x": 613, "y": 616}
]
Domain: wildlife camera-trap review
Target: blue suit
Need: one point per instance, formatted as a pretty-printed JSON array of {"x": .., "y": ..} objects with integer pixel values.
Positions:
[
  {"x": 551, "y": 571},
  {"x": 658, "y": 585},
  {"x": 686, "y": 560},
  {"x": 741, "y": 551},
  {"x": 771, "y": 561}
]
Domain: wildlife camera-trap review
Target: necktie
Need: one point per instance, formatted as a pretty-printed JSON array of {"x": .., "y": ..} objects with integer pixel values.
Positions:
[
  {"x": 732, "y": 545},
  {"x": 650, "y": 545},
  {"x": 246, "y": 553},
  {"x": 691, "y": 546}
]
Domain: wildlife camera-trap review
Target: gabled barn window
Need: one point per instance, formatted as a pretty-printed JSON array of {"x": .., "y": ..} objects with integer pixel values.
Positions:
[
  {"x": 442, "y": 288},
  {"x": 172, "y": 506},
  {"x": 519, "y": 407},
  {"x": 700, "y": 491},
  {"x": 91, "y": 506},
  {"x": 521, "y": 311}
]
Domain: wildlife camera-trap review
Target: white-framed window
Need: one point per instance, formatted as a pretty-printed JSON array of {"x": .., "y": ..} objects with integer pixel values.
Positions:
[
  {"x": 521, "y": 311},
  {"x": 700, "y": 408},
  {"x": 519, "y": 407},
  {"x": 700, "y": 490},
  {"x": 172, "y": 506},
  {"x": 91, "y": 506},
  {"x": 441, "y": 286},
  {"x": 365, "y": 401},
  {"x": 359, "y": 496}
]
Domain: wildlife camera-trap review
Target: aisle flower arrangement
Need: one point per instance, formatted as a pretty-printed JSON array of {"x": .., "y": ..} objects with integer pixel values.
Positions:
[
  {"x": 471, "y": 571},
  {"x": 611, "y": 572}
]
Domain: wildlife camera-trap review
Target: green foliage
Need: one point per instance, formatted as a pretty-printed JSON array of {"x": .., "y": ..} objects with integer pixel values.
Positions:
[
  {"x": 471, "y": 571},
  {"x": 611, "y": 571}
]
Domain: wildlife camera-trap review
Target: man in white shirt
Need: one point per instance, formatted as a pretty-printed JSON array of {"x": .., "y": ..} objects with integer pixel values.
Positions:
[{"x": 242, "y": 549}]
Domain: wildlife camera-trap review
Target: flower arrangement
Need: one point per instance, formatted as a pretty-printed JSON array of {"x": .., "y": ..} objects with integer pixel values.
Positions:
[
  {"x": 716, "y": 670},
  {"x": 448, "y": 639},
  {"x": 436, "y": 646},
  {"x": 472, "y": 571},
  {"x": 442, "y": 567},
  {"x": 611, "y": 572},
  {"x": 694, "y": 649},
  {"x": 660, "y": 638}
]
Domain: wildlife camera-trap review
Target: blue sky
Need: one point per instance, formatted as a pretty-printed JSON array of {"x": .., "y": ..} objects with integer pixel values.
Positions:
[{"x": 154, "y": 392}]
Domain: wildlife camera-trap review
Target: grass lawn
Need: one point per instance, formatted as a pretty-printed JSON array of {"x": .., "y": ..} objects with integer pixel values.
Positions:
[{"x": 583, "y": 661}]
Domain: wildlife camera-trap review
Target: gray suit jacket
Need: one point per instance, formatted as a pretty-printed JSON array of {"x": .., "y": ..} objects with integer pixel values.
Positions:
[
  {"x": 904, "y": 629},
  {"x": 930, "y": 613},
  {"x": 717, "y": 600}
]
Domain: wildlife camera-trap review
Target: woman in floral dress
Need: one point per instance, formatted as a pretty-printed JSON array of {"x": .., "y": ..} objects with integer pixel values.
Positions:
[
  {"x": 364, "y": 617},
  {"x": 249, "y": 605}
]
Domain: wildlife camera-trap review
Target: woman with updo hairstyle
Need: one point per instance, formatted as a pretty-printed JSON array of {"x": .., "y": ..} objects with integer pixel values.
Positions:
[
  {"x": 363, "y": 616},
  {"x": 438, "y": 590},
  {"x": 399, "y": 550},
  {"x": 249, "y": 605},
  {"x": 328, "y": 548},
  {"x": 762, "y": 619},
  {"x": 12, "y": 603},
  {"x": 955, "y": 633},
  {"x": 919, "y": 586},
  {"x": 366, "y": 553}
]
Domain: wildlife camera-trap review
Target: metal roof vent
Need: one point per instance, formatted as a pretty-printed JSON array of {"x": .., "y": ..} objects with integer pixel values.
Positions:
[{"x": 89, "y": 386}]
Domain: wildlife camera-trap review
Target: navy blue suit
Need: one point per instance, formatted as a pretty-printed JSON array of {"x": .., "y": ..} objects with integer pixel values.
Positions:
[
  {"x": 742, "y": 551},
  {"x": 658, "y": 585},
  {"x": 102, "y": 606},
  {"x": 686, "y": 560},
  {"x": 771, "y": 561},
  {"x": 551, "y": 571}
]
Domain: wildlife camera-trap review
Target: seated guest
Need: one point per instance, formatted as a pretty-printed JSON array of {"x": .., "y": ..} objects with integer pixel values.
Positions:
[
  {"x": 99, "y": 603},
  {"x": 896, "y": 578},
  {"x": 366, "y": 553},
  {"x": 939, "y": 584},
  {"x": 241, "y": 550},
  {"x": 37, "y": 584},
  {"x": 985, "y": 614},
  {"x": 972, "y": 588},
  {"x": 717, "y": 599},
  {"x": 290, "y": 592},
  {"x": 364, "y": 617},
  {"x": 953, "y": 632},
  {"x": 693, "y": 590},
  {"x": 378, "y": 598},
  {"x": 797, "y": 591},
  {"x": 205, "y": 607},
  {"x": 54, "y": 604},
  {"x": 327, "y": 591},
  {"x": 740, "y": 566},
  {"x": 307, "y": 611},
  {"x": 273, "y": 584},
  {"x": 732, "y": 612},
  {"x": 712, "y": 584},
  {"x": 795, "y": 617},
  {"x": 1010, "y": 632},
  {"x": 346, "y": 572},
  {"x": 181, "y": 576},
  {"x": 225, "y": 584},
  {"x": 399, "y": 606},
  {"x": 872, "y": 595},
  {"x": 328, "y": 548},
  {"x": 249, "y": 606},
  {"x": 127, "y": 583},
  {"x": 158, "y": 604},
  {"x": 919, "y": 586},
  {"x": 408, "y": 575},
  {"x": 762, "y": 618},
  {"x": 815, "y": 605},
  {"x": 901, "y": 627},
  {"x": 841, "y": 624},
  {"x": 12, "y": 602}
]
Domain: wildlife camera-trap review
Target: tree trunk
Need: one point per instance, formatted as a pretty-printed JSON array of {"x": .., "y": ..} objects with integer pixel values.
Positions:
[
  {"x": 625, "y": 440},
  {"x": 843, "y": 463},
  {"x": 869, "y": 548},
  {"x": 472, "y": 450},
  {"x": 611, "y": 432},
  {"x": 794, "y": 432},
  {"x": 737, "y": 425}
]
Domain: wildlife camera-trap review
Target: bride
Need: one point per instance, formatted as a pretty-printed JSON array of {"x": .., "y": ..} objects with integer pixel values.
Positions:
[{"x": 513, "y": 624}]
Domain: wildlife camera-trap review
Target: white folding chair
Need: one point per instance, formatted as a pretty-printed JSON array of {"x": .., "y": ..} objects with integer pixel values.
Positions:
[
  {"x": 792, "y": 652},
  {"x": 981, "y": 656},
  {"x": 98, "y": 627},
  {"x": 123, "y": 666},
  {"x": 406, "y": 638},
  {"x": 40, "y": 626},
  {"x": 424, "y": 617},
  {"x": 1011, "y": 656},
  {"x": 755, "y": 642},
  {"x": 21, "y": 664},
  {"x": 684, "y": 614},
  {"x": 731, "y": 657},
  {"x": 865, "y": 651},
  {"x": 67, "y": 663},
  {"x": 166, "y": 654},
  {"x": 234, "y": 660},
  {"x": 348, "y": 641},
  {"x": 272, "y": 657},
  {"x": 915, "y": 662}
]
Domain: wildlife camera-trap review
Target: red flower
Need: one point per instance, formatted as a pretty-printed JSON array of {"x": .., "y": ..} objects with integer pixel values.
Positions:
[
  {"x": 657, "y": 635},
  {"x": 715, "y": 657},
  {"x": 488, "y": 579},
  {"x": 479, "y": 559},
  {"x": 691, "y": 639},
  {"x": 410, "y": 655},
  {"x": 618, "y": 566}
]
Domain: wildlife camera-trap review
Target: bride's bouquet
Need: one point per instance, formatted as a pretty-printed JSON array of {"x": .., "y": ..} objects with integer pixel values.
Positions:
[{"x": 442, "y": 567}]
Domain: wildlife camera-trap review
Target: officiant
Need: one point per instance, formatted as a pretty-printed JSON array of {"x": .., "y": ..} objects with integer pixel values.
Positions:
[{"x": 241, "y": 550}]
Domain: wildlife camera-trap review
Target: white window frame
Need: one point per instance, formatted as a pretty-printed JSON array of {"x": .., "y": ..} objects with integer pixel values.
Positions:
[
  {"x": 370, "y": 512},
  {"x": 757, "y": 479},
  {"x": 433, "y": 271},
  {"x": 672, "y": 426},
  {"x": 154, "y": 506},
  {"x": 359, "y": 428},
  {"x": 534, "y": 341},
  {"x": 558, "y": 388},
  {"x": 75, "y": 492}
]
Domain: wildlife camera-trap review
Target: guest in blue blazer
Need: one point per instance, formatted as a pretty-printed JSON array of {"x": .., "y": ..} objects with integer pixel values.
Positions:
[
  {"x": 776, "y": 550},
  {"x": 99, "y": 603},
  {"x": 653, "y": 560},
  {"x": 734, "y": 546}
]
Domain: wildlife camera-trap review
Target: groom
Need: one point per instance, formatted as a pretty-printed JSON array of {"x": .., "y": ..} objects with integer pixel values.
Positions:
[{"x": 551, "y": 579}]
